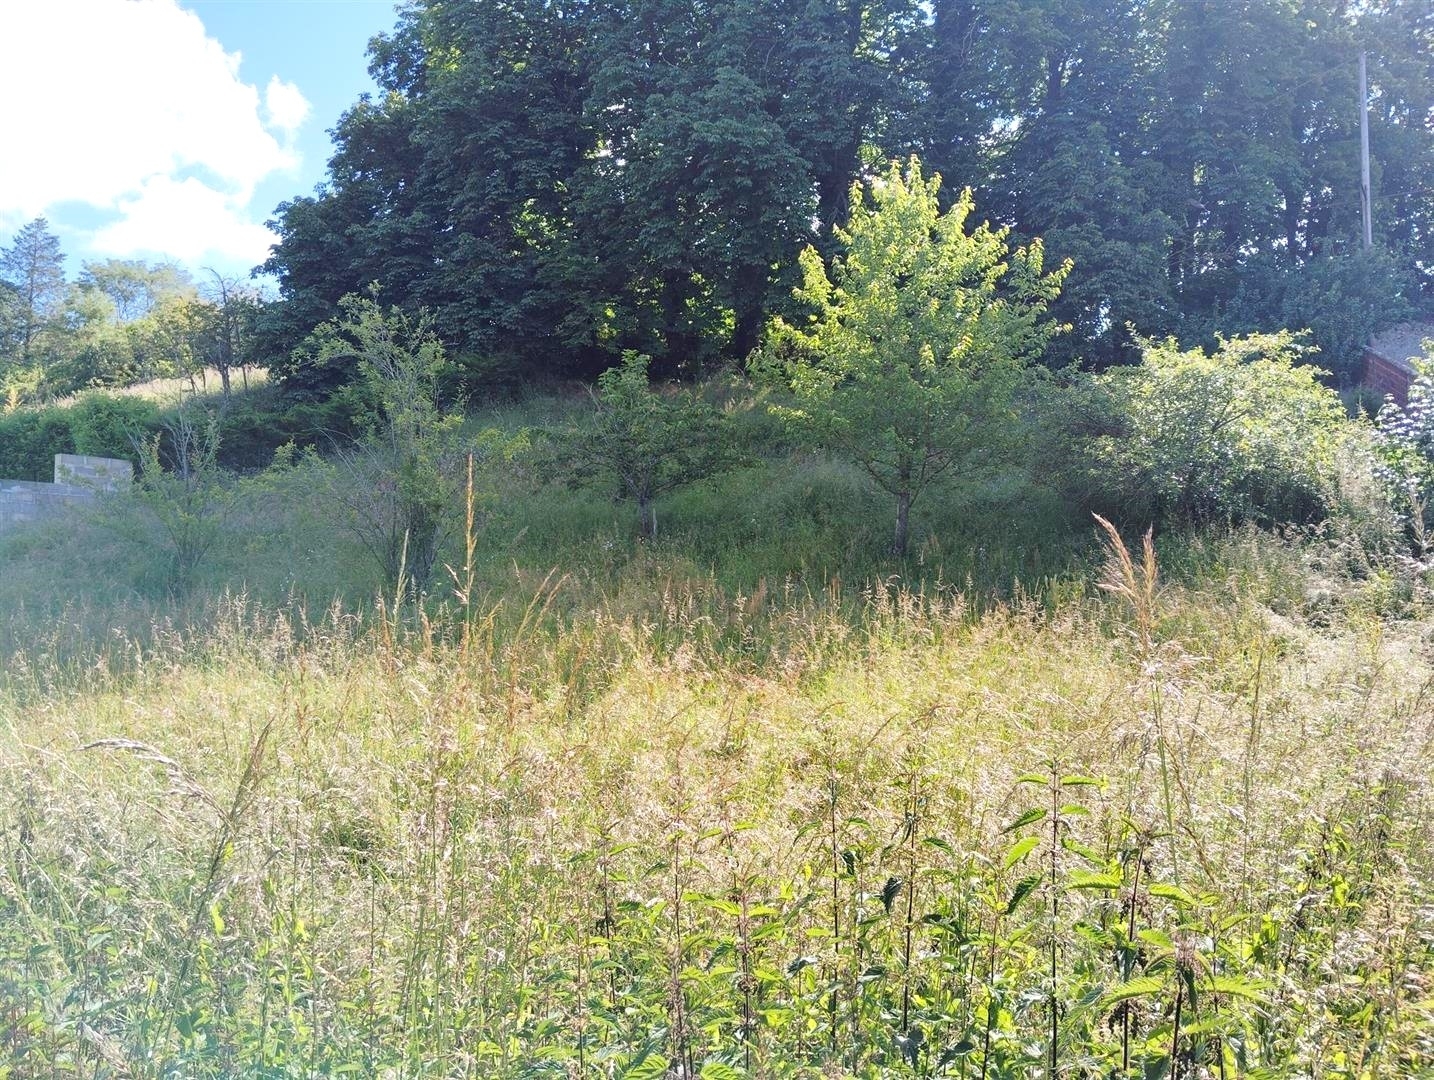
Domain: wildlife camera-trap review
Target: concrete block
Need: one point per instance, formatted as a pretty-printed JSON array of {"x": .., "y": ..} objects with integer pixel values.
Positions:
[{"x": 93, "y": 473}]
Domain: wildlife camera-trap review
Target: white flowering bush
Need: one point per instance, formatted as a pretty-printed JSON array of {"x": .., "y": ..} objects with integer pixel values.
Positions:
[{"x": 1404, "y": 448}]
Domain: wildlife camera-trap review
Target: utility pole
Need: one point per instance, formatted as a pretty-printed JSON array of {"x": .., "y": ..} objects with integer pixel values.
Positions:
[{"x": 1365, "y": 204}]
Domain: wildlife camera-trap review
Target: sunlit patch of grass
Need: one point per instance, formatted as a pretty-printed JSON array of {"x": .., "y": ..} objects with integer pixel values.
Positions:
[{"x": 644, "y": 823}]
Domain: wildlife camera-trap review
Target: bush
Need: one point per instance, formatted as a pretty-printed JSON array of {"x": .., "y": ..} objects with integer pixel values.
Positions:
[
  {"x": 1242, "y": 434},
  {"x": 29, "y": 441},
  {"x": 96, "y": 424},
  {"x": 645, "y": 442},
  {"x": 1404, "y": 447},
  {"x": 108, "y": 426}
]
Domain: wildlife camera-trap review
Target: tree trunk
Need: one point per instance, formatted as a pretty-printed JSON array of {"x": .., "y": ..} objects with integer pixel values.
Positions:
[
  {"x": 647, "y": 517},
  {"x": 681, "y": 343},
  {"x": 749, "y": 291},
  {"x": 903, "y": 515}
]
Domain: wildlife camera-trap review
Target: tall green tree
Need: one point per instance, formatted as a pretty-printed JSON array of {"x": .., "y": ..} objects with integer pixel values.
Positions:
[
  {"x": 563, "y": 180},
  {"x": 134, "y": 286},
  {"x": 34, "y": 269},
  {"x": 918, "y": 336}
]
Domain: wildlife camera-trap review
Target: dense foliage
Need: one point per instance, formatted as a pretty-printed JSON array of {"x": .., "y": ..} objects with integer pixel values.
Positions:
[
  {"x": 121, "y": 322},
  {"x": 644, "y": 441},
  {"x": 402, "y": 471},
  {"x": 916, "y": 343},
  {"x": 560, "y": 182},
  {"x": 1243, "y": 433}
]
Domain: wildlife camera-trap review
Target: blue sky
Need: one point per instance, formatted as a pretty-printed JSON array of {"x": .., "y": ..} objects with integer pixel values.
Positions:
[{"x": 170, "y": 129}]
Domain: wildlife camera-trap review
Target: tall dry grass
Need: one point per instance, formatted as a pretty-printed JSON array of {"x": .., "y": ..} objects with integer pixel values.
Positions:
[{"x": 1137, "y": 831}]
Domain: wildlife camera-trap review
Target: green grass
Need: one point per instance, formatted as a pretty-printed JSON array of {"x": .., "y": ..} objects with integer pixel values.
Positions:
[{"x": 750, "y": 801}]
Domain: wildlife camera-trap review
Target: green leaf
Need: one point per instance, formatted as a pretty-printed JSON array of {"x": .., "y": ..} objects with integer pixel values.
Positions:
[
  {"x": 1020, "y": 850},
  {"x": 1142, "y": 987},
  {"x": 648, "y": 1066},
  {"x": 1025, "y": 819},
  {"x": 1237, "y": 986},
  {"x": 1174, "y": 893},
  {"x": 1085, "y": 851},
  {"x": 1088, "y": 879},
  {"x": 1022, "y": 890},
  {"x": 718, "y": 1070}
]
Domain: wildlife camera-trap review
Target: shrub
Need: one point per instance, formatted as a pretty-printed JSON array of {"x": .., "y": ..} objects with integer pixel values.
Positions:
[
  {"x": 1404, "y": 447},
  {"x": 189, "y": 500},
  {"x": 1242, "y": 434},
  {"x": 109, "y": 426},
  {"x": 643, "y": 441},
  {"x": 29, "y": 441}
]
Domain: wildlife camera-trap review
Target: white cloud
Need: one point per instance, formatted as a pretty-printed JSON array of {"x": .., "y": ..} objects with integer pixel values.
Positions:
[
  {"x": 285, "y": 106},
  {"x": 185, "y": 220},
  {"x": 147, "y": 117}
]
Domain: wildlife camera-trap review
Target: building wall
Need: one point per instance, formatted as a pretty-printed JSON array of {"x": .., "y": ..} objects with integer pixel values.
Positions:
[
  {"x": 1384, "y": 377},
  {"x": 93, "y": 473},
  {"x": 79, "y": 480}
]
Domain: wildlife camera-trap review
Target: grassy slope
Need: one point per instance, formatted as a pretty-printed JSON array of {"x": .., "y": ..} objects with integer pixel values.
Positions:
[{"x": 706, "y": 806}]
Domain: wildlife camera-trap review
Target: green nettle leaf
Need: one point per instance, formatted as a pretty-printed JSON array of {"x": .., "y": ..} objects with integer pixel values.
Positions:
[
  {"x": 1020, "y": 850},
  {"x": 1023, "y": 889},
  {"x": 1145, "y": 986},
  {"x": 648, "y": 1066},
  {"x": 718, "y": 1070},
  {"x": 1174, "y": 893},
  {"x": 1027, "y": 818},
  {"x": 1087, "y": 879},
  {"x": 1235, "y": 986}
]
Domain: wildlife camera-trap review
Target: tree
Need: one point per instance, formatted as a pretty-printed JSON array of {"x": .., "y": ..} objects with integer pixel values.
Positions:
[
  {"x": 134, "y": 287},
  {"x": 231, "y": 314},
  {"x": 33, "y": 267},
  {"x": 189, "y": 501},
  {"x": 917, "y": 339},
  {"x": 403, "y": 475},
  {"x": 650, "y": 442}
]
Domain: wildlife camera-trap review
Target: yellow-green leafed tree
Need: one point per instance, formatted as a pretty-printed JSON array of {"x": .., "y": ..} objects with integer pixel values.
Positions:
[{"x": 918, "y": 337}]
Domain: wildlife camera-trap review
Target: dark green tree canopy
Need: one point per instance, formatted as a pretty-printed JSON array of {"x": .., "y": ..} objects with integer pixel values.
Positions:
[{"x": 563, "y": 180}]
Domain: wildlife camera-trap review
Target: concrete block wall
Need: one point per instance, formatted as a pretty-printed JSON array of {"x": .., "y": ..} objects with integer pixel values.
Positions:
[
  {"x": 79, "y": 480},
  {"x": 93, "y": 473}
]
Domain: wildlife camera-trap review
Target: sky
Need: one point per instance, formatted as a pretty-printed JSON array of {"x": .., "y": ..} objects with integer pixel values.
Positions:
[{"x": 169, "y": 130}]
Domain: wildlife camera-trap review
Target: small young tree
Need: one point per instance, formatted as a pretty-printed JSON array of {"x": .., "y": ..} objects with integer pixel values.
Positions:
[
  {"x": 191, "y": 499},
  {"x": 918, "y": 338},
  {"x": 404, "y": 473},
  {"x": 647, "y": 441}
]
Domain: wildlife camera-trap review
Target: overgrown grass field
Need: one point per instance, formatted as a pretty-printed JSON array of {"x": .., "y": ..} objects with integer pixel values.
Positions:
[
  {"x": 645, "y": 824},
  {"x": 750, "y": 799}
]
